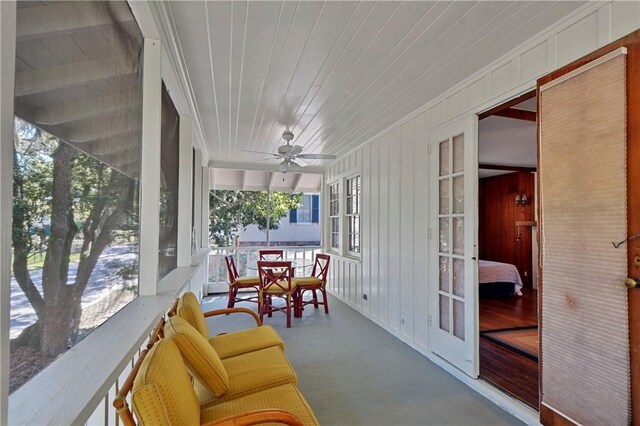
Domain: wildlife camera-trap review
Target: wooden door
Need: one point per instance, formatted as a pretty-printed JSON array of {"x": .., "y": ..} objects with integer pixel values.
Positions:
[
  {"x": 556, "y": 414},
  {"x": 453, "y": 334}
]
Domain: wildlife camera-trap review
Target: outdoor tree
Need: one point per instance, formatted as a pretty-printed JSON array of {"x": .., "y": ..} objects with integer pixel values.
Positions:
[
  {"x": 60, "y": 195},
  {"x": 231, "y": 211}
]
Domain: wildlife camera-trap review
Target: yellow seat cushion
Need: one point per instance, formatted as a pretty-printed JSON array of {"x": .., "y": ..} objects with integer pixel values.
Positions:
[
  {"x": 286, "y": 397},
  {"x": 249, "y": 340},
  {"x": 162, "y": 393},
  {"x": 201, "y": 359},
  {"x": 251, "y": 372},
  {"x": 189, "y": 308},
  {"x": 304, "y": 281},
  {"x": 248, "y": 280},
  {"x": 275, "y": 289}
]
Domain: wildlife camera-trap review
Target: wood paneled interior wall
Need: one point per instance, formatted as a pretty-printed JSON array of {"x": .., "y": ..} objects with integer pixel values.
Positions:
[{"x": 499, "y": 238}]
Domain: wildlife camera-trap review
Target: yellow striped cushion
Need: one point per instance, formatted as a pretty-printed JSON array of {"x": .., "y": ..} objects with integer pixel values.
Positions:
[
  {"x": 252, "y": 372},
  {"x": 241, "y": 342},
  {"x": 162, "y": 393},
  {"x": 302, "y": 281},
  {"x": 274, "y": 289},
  {"x": 285, "y": 397},
  {"x": 248, "y": 280},
  {"x": 189, "y": 308},
  {"x": 201, "y": 359}
]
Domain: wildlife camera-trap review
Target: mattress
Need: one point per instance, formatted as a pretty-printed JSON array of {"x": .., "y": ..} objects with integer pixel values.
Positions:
[{"x": 498, "y": 272}]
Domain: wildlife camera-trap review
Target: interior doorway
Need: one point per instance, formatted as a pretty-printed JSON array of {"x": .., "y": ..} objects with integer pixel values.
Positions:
[{"x": 507, "y": 248}]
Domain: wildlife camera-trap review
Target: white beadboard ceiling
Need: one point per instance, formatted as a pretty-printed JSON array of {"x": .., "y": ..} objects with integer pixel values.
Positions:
[{"x": 335, "y": 73}]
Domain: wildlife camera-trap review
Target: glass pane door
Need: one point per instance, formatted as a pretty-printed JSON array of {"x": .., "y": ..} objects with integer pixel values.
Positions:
[{"x": 452, "y": 282}]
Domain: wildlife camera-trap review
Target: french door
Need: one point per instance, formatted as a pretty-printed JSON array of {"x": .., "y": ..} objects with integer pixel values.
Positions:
[{"x": 453, "y": 263}]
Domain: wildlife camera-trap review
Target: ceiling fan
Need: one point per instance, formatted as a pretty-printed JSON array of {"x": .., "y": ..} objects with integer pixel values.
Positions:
[{"x": 288, "y": 153}]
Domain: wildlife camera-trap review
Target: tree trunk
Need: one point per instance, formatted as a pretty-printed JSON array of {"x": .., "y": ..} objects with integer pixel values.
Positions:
[{"x": 57, "y": 310}]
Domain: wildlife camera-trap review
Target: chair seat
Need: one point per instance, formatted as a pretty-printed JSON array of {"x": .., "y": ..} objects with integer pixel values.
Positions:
[
  {"x": 274, "y": 289},
  {"x": 248, "y": 281},
  {"x": 250, "y": 373},
  {"x": 286, "y": 397},
  {"x": 245, "y": 341},
  {"x": 307, "y": 281}
]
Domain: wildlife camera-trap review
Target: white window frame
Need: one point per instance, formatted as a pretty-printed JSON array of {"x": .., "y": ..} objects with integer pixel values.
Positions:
[
  {"x": 349, "y": 215},
  {"x": 331, "y": 217}
]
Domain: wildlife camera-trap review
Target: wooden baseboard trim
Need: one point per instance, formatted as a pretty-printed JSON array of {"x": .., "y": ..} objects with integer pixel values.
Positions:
[{"x": 552, "y": 417}]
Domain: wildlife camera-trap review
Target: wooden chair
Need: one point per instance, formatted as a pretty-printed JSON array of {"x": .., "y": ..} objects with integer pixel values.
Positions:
[
  {"x": 271, "y": 254},
  {"x": 276, "y": 281},
  {"x": 316, "y": 282},
  {"x": 237, "y": 283}
]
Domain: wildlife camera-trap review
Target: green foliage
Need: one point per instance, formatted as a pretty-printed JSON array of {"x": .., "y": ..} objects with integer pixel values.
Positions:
[{"x": 235, "y": 210}]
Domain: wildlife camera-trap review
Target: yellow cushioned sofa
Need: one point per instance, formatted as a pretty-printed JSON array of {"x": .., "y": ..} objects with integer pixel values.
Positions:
[
  {"x": 181, "y": 379},
  {"x": 228, "y": 344}
]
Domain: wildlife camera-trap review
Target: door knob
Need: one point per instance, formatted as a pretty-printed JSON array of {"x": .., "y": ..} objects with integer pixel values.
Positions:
[{"x": 630, "y": 282}]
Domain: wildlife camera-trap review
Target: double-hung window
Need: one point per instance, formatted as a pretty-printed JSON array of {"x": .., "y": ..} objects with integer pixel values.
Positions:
[
  {"x": 353, "y": 214},
  {"x": 334, "y": 216}
]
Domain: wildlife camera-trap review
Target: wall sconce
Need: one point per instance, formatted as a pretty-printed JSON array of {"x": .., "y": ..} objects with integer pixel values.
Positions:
[{"x": 521, "y": 199}]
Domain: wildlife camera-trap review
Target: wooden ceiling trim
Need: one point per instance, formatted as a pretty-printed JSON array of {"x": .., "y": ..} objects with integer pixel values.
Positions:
[
  {"x": 507, "y": 105},
  {"x": 507, "y": 168},
  {"x": 517, "y": 114}
]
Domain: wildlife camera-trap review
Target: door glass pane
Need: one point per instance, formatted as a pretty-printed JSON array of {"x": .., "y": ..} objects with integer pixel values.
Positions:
[
  {"x": 444, "y": 313},
  {"x": 444, "y": 273},
  {"x": 444, "y": 196},
  {"x": 458, "y": 154},
  {"x": 444, "y": 235},
  {"x": 458, "y": 194},
  {"x": 458, "y": 318},
  {"x": 458, "y": 235},
  {"x": 444, "y": 158},
  {"x": 458, "y": 277}
]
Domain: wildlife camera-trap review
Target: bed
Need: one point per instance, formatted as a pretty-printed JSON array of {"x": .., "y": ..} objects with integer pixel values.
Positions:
[{"x": 494, "y": 276}]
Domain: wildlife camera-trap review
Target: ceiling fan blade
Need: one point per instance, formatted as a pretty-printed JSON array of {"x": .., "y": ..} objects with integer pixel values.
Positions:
[
  {"x": 262, "y": 152},
  {"x": 300, "y": 162},
  {"x": 317, "y": 156},
  {"x": 294, "y": 167}
]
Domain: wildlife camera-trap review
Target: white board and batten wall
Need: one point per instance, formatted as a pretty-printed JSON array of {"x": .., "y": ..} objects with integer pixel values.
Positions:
[{"x": 392, "y": 269}]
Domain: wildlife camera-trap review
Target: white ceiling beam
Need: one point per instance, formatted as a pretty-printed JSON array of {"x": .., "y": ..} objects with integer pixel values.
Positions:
[
  {"x": 85, "y": 108},
  {"x": 295, "y": 184},
  {"x": 114, "y": 143},
  {"x": 57, "y": 18},
  {"x": 59, "y": 76}
]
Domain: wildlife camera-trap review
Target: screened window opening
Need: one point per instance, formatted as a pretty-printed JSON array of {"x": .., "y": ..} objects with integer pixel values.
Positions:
[{"x": 76, "y": 153}]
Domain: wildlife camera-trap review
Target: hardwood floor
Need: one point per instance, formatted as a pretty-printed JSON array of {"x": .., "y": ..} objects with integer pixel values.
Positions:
[
  {"x": 509, "y": 311},
  {"x": 513, "y": 373}
]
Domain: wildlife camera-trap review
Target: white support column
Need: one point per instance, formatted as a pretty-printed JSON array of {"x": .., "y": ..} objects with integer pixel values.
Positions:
[
  {"x": 150, "y": 167},
  {"x": 204, "y": 242},
  {"x": 7, "y": 74},
  {"x": 185, "y": 178},
  {"x": 197, "y": 202}
]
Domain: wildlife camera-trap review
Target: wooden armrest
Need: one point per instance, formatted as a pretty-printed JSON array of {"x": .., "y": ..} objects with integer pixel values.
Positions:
[
  {"x": 226, "y": 311},
  {"x": 257, "y": 417},
  {"x": 173, "y": 310}
]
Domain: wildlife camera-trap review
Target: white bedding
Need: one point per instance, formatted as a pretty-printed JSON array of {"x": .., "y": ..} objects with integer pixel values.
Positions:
[{"x": 498, "y": 272}]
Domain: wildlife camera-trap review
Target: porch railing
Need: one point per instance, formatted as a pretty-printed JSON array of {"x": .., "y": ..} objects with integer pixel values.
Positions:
[{"x": 244, "y": 256}]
